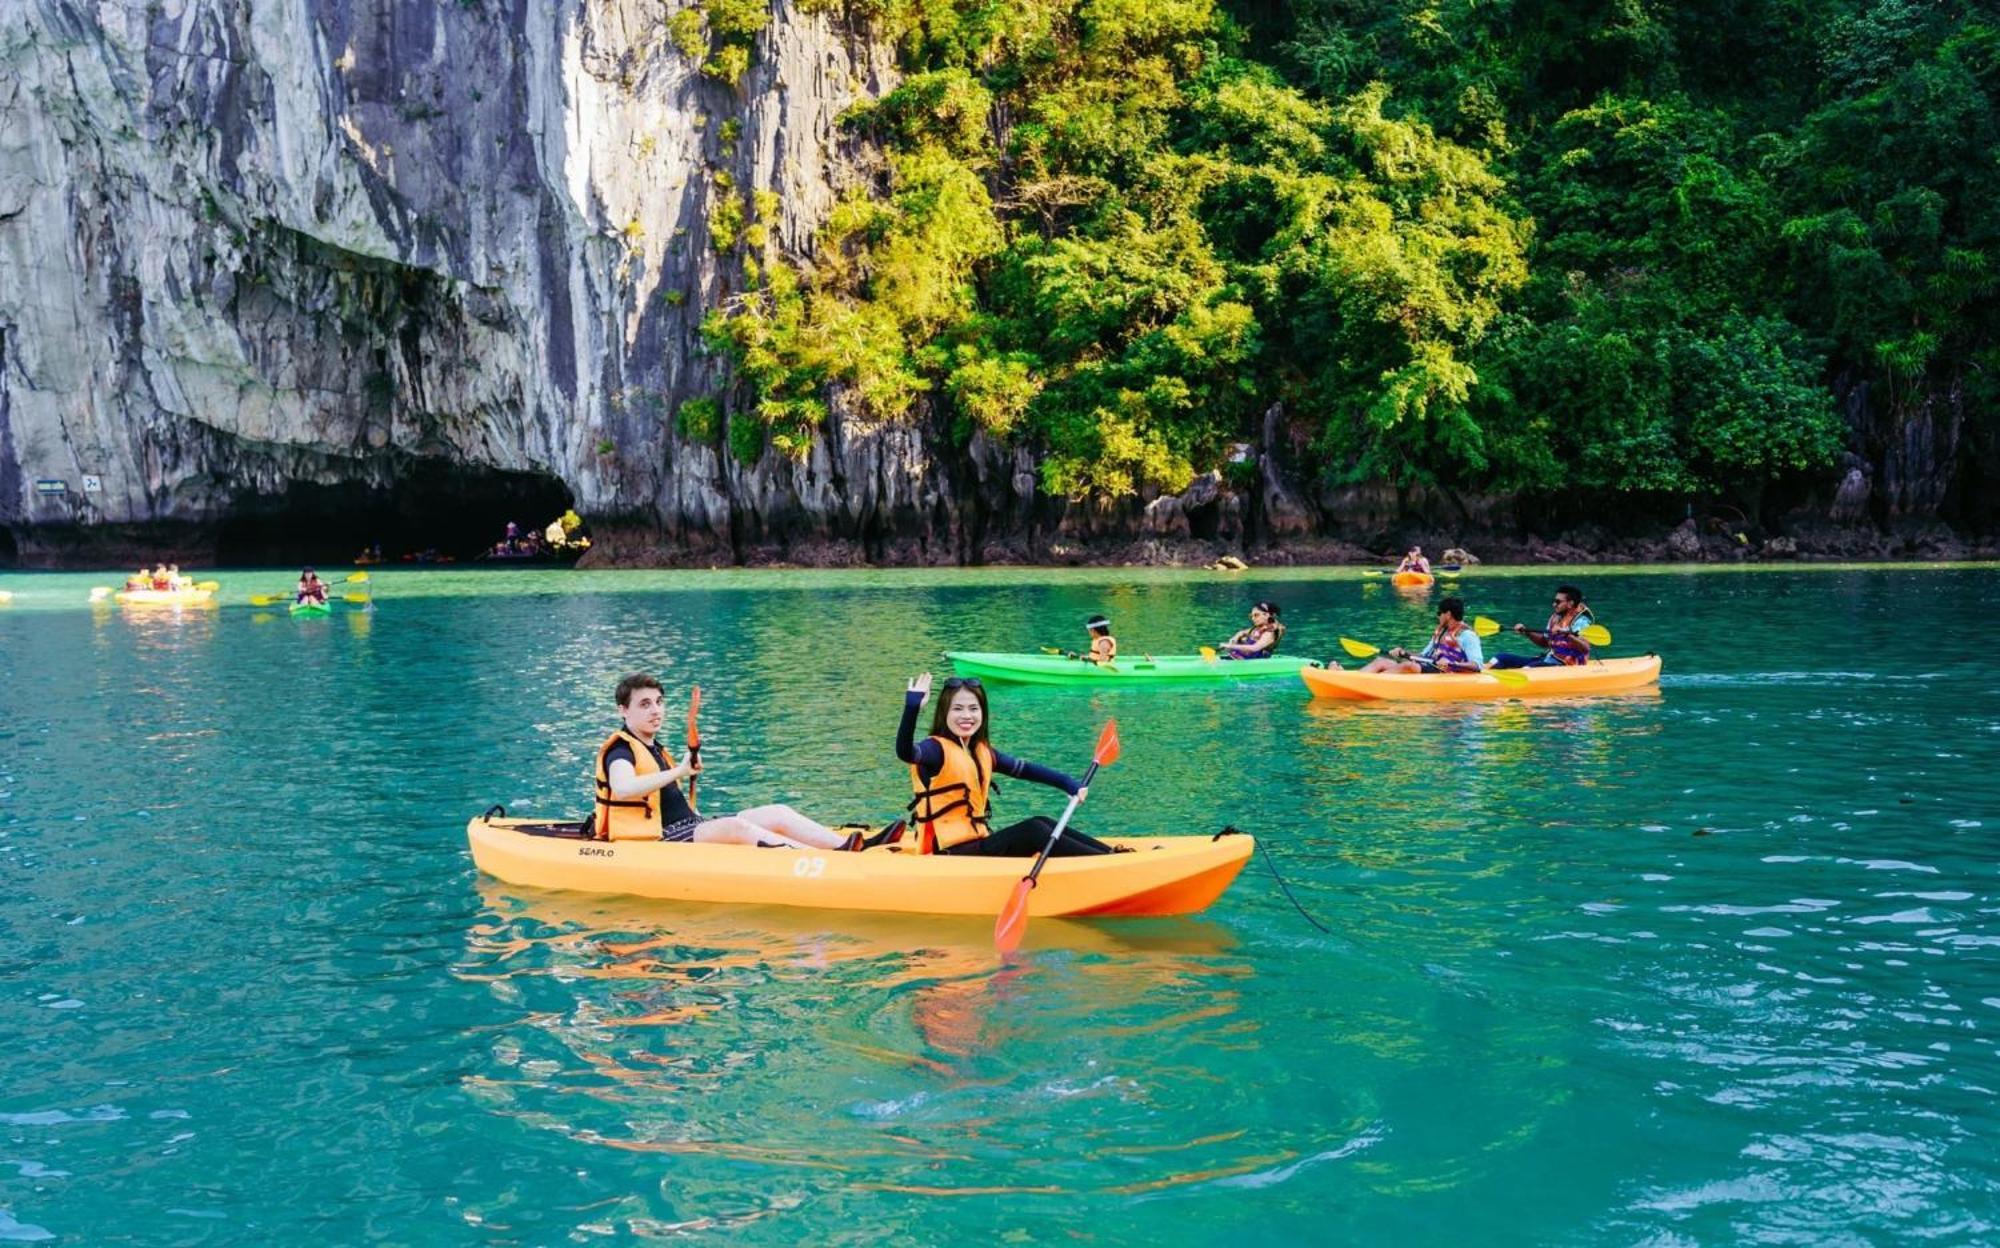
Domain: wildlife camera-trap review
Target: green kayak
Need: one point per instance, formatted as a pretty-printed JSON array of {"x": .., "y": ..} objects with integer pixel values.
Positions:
[
  {"x": 1174, "y": 669},
  {"x": 311, "y": 608}
]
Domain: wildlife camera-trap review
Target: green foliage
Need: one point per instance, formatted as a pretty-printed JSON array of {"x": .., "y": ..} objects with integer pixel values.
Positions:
[
  {"x": 687, "y": 30},
  {"x": 1566, "y": 251},
  {"x": 725, "y": 213},
  {"x": 700, "y": 420}
]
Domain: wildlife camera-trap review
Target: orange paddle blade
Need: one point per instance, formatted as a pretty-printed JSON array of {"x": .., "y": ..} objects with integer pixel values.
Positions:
[
  {"x": 1107, "y": 745},
  {"x": 1013, "y": 921},
  {"x": 694, "y": 709}
]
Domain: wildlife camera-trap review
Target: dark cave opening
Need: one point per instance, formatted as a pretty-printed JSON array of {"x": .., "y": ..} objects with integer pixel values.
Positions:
[{"x": 434, "y": 511}]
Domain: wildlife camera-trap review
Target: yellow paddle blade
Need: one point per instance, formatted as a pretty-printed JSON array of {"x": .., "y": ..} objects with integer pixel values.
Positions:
[
  {"x": 1485, "y": 626},
  {"x": 354, "y": 597},
  {"x": 1596, "y": 635},
  {"x": 1359, "y": 649},
  {"x": 1050, "y": 650},
  {"x": 1208, "y": 654},
  {"x": 1508, "y": 676},
  {"x": 210, "y": 586},
  {"x": 265, "y": 600},
  {"x": 355, "y": 578}
]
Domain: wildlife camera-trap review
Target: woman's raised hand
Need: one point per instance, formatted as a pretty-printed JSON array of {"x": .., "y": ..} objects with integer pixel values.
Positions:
[{"x": 921, "y": 685}]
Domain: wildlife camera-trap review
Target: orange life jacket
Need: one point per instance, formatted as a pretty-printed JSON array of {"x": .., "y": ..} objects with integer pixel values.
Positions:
[
  {"x": 627, "y": 818},
  {"x": 952, "y": 808}
]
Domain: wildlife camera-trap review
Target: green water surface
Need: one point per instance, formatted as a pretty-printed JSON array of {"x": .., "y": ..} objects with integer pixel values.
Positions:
[{"x": 1713, "y": 964}]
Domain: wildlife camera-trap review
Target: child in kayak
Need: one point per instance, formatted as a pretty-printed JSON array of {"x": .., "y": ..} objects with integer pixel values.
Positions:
[
  {"x": 952, "y": 770},
  {"x": 1560, "y": 637},
  {"x": 1260, "y": 640},
  {"x": 1415, "y": 562},
  {"x": 639, "y": 792},
  {"x": 1453, "y": 647},
  {"x": 311, "y": 588},
  {"x": 1103, "y": 646}
]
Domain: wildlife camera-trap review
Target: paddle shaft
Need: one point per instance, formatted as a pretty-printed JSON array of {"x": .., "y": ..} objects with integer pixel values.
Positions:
[{"x": 1043, "y": 857}]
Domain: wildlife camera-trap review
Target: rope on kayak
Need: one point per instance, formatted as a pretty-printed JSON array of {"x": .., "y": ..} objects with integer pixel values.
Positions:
[{"x": 1272, "y": 863}]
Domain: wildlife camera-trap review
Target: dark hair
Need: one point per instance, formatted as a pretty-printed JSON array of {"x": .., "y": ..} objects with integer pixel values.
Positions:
[
  {"x": 1454, "y": 607},
  {"x": 1570, "y": 592},
  {"x": 1268, "y": 608},
  {"x": 1097, "y": 623},
  {"x": 939, "y": 728},
  {"x": 633, "y": 684}
]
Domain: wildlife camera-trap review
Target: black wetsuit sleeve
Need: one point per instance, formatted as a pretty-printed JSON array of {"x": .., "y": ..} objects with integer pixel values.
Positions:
[
  {"x": 616, "y": 752},
  {"x": 1022, "y": 769},
  {"x": 927, "y": 755}
]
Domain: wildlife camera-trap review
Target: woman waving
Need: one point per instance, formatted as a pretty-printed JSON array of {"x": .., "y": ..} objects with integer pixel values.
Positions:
[{"x": 952, "y": 770}]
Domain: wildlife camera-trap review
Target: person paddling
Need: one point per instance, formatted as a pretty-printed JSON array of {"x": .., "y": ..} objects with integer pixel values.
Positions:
[
  {"x": 639, "y": 795},
  {"x": 1562, "y": 637},
  {"x": 1260, "y": 640},
  {"x": 951, "y": 773},
  {"x": 311, "y": 588},
  {"x": 1103, "y": 646},
  {"x": 1453, "y": 647},
  {"x": 1415, "y": 562}
]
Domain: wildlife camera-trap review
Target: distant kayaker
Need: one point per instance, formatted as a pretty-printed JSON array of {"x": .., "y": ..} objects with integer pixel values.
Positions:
[
  {"x": 1103, "y": 646},
  {"x": 952, "y": 770},
  {"x": 1453, "y": 647},
  {"x": 161, "y": 581},
  {"x": 639, "y": 795},
  {"x": 1260, "y": 640},
  {"x": 1415, "y": 562},
  {"x": 1561, "y": 637},
  {"x": 311, "y": 588}
]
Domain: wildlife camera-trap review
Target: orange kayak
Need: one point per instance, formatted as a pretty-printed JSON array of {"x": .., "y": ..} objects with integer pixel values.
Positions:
[
  {"x": 1600, "y": 676},
  {"x": 1414, "y": 580},
  {"x": 1164, "y": 875}
]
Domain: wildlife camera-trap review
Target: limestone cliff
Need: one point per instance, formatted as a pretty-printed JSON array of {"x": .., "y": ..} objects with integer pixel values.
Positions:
[{"x": 259, "y": 257}]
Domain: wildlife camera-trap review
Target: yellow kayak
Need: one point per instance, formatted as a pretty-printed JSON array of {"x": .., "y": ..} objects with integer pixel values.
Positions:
[
  {"x": 1597, "y": 676},
  {"x": 1164, "y": 875},
  {"x": 193, "y": 597}
]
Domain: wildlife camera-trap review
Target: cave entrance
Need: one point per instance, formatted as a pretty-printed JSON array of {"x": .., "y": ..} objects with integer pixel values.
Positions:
[
  {"x": 452, "y": 510},
  {"x": 10, "y": 551}
]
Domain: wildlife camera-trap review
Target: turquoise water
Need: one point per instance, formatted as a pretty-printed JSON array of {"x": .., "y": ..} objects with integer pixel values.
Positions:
[{"x": 1710, "y": 965}]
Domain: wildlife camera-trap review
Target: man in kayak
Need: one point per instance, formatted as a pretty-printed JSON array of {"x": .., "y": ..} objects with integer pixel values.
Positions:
[
  {"x": 311, "y": 588},
  {"x": 1415, "y": 562},
  {"x": 639, "y": 792},
  {"x": 1453, "y": 647},
  {"x": 1260, "y": 640},
  {"x": 1561, "y": 638}
]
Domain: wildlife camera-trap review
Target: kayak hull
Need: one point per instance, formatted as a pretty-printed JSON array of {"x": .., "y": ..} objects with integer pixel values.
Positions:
[
  {"x": 1600, "y": 676},
  {"x": 1171, "y": 669},
  {"x": 310, "y": 609},
  {"x": 1413, "y": 580},
  {"x": 1163, "y": 876},
  {"x": 165, "y": 597}
]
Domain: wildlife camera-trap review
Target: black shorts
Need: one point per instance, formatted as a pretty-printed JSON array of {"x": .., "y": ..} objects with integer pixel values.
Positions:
[{"x": 682, "y": 831}]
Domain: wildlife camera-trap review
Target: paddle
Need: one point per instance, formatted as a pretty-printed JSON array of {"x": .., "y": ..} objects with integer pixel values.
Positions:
[
  {"x": 1505, "y": 675},
  {"x": 693, "y": 739},
  {"x": 1012, "y": 924},
  {"x": 1084, "y": 658},
  {"x": 1208, "y": 654}
]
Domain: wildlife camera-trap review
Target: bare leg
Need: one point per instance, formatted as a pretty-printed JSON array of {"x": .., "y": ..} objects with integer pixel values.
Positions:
[
  {"x": 793, "y": 825},
  {"x": 730, "y": 830}
]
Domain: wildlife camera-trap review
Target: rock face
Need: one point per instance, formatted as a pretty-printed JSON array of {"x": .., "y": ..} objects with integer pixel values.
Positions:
[{"x": 247, "y": 250}]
